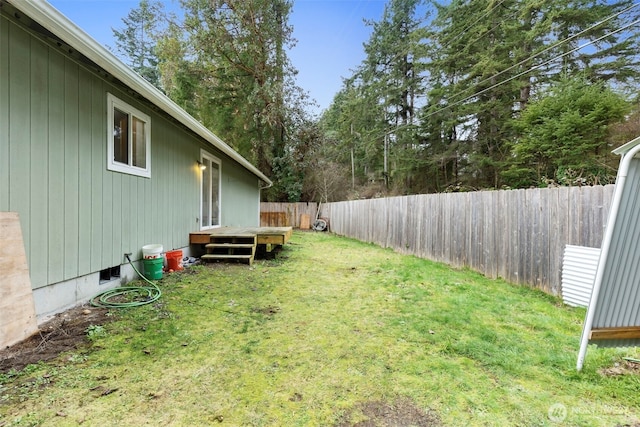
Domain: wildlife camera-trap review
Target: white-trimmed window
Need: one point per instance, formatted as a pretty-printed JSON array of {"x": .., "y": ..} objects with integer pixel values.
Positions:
[{"x": 128, "y": 138}]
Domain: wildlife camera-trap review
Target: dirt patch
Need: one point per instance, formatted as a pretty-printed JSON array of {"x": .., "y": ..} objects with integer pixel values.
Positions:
[
  {"x": 624, "y": 367},
  {"x": 64, "y": 332},
  {"x": 268, "y": 311},
  {"x": 382, "y": 414}
]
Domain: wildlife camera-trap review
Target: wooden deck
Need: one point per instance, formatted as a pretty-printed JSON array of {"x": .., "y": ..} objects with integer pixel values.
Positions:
[{"x": 265, "y": 235}]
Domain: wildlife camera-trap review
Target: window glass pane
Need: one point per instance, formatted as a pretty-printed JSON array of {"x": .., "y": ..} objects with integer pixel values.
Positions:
[
  {"x": 120, "y": 136},
  {"x": 129, "y": 138},
  {"x": 215, "y": 208},
  {"x": 210, "y": 193},
  {"x": 206, "y": 192},
  {"x": 139, "y": 151}
]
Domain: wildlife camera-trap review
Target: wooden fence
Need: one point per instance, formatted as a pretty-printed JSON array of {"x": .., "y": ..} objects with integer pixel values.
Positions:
[
  {"x": 518, "y": 235},
  {"x": 286, "y": 214}
]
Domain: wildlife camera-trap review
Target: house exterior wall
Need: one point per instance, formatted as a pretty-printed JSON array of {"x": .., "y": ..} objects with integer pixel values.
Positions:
[
  {"x": 240, "y": 207},
  {"x": 77, "y": 217}
]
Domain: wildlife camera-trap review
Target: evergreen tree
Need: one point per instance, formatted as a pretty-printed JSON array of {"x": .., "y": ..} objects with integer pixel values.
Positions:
[
  {"x": 564, "y": 135},
  {"x": 472, "y": 76},
  {"x": 377, "y": 108},
  {"x": 136, "y": 41},
  {"x": 240, "y": 44},
  {"x": 490, "y": 57},
  {"x": 613, "y": 54},
  {"x": 180, "y": 75},
  {"x": 248, "y": 93}
]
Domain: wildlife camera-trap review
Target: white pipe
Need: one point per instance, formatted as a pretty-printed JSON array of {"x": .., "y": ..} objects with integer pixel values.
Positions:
[{"x": 625, "y": 163}]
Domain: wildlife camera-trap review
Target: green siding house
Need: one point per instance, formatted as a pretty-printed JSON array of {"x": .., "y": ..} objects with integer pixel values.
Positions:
[{"x": 98, "y": 163}]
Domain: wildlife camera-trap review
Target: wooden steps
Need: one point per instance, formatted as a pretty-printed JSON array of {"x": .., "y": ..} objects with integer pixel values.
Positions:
[{"x": 239, "y": 247}]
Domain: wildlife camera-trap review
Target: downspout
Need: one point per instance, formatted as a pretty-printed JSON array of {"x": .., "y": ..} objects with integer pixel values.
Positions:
[
  {"x": 625, "y": 162},
  {"x": 269, "y": 185}
]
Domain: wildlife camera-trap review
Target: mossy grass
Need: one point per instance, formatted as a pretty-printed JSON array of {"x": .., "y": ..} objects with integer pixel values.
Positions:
[{"x": 307, "y": 337}]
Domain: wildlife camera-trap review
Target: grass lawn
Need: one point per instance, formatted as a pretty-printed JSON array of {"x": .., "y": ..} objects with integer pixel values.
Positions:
[{"x": 333, "y": 332}]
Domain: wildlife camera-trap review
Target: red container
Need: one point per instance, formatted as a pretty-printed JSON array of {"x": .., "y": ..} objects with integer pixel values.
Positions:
[{"x": 174, "y": 260}]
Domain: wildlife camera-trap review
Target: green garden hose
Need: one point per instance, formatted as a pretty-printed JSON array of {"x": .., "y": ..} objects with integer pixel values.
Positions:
[{"x": 135, "y": 296}]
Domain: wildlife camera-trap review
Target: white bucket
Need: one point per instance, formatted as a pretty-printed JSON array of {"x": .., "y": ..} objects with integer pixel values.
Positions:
[{"x": 151, "y": 251}]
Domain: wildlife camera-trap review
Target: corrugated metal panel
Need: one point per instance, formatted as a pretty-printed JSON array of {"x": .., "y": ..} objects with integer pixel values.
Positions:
[
  {"x": 578, "y": 271},
  {"x": 619, "y": 297}
]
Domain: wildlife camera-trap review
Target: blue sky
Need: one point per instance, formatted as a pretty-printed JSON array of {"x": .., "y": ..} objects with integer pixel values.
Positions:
[{"x": 330, "y": 35}]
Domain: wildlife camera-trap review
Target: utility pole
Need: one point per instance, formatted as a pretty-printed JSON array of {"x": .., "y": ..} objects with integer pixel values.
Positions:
[
  {"x": 386, "y": 161},
  {"x": 353, "y": 162}
]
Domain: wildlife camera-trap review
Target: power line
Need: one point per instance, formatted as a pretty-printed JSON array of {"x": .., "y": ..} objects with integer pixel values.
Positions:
[
  {"x": 468, "y": 27},
  {"x": 514, "y": 77},
  {"x": 534, "y": 68},
  {"x": 557, "y": 44}
]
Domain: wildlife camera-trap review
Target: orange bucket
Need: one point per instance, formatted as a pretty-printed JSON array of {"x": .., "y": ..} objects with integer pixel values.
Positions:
[{"x": 174, "y": 260}]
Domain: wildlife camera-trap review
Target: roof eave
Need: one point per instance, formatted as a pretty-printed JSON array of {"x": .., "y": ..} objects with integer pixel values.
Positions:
[
  {"x": 623, "y": 149},
  {"x": 53, "y": 20}
]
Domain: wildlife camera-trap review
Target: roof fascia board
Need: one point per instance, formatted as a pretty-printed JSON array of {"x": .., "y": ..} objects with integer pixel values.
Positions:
[
  {"x": 626, "y": 147},
  {"x": 53, "y": 20}
]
